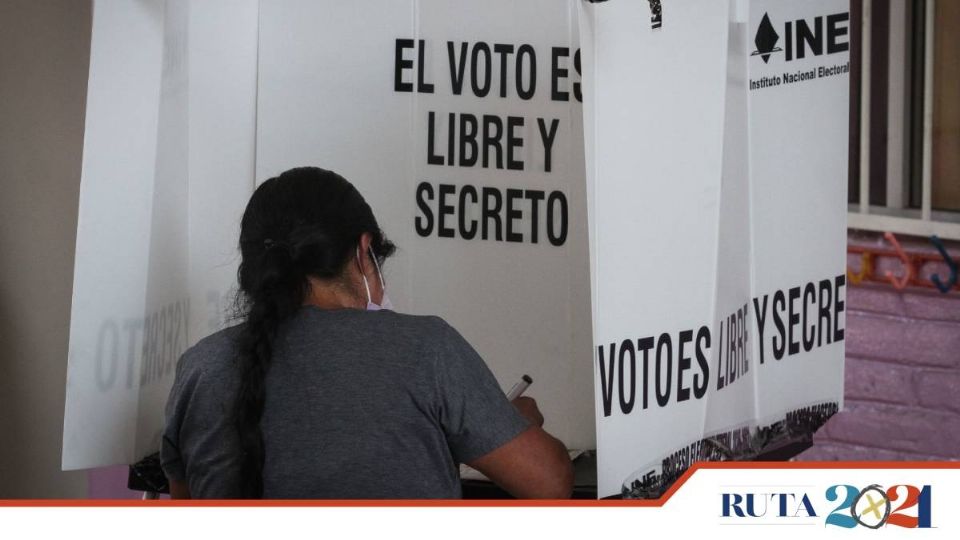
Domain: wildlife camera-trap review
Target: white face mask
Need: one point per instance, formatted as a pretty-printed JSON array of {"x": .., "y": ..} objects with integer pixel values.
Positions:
[{"x": 385, "y": 304}]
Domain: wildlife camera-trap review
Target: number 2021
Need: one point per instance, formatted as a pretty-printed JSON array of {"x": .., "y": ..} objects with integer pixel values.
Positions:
[{"x": 909, "y": 496}]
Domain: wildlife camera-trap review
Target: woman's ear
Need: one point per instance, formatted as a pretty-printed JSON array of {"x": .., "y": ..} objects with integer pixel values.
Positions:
[
  {"x": 366, "y": 239},
  {"x": 363, "y": 256}
]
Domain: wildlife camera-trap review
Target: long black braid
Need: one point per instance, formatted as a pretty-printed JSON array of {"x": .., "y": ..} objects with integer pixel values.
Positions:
[{"x": 304, "y": 222}]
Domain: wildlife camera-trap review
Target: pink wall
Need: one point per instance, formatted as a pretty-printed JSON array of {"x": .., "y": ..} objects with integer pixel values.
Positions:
[
  {"x": 110, "y": 483},
  {"x": 902, "y": 376}
]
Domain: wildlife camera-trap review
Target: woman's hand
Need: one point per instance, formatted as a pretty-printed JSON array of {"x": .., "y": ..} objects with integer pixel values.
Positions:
[
  {"x": 528, "y": 408},
  {"x": 534, "y": 464}
]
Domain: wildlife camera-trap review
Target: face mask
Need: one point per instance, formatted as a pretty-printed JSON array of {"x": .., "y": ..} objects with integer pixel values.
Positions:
[{"x": 386, "y": 304}]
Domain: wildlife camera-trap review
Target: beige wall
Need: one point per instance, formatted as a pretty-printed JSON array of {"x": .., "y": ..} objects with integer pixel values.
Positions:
[
  {"x": 946, "y": 107},
  {"x": 44, "y": 56}
]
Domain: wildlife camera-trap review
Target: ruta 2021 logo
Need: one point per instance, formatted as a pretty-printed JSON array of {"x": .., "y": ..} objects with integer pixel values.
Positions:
[{"x": 900, "y": 505}]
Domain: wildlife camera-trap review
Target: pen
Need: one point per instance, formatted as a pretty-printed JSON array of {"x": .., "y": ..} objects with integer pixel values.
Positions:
[{"x": 519, "y": 388}]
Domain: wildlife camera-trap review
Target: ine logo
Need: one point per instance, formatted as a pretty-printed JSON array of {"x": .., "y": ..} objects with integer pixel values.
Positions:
[
  {"x": 821, "y": 35},
  {"x": 766, "y": 39}
]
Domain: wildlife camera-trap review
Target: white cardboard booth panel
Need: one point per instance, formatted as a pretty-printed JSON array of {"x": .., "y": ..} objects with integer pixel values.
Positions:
[{"x": 665, "y": 259}]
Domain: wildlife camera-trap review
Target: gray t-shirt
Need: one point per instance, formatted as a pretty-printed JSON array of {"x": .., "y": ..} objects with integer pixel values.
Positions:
[{"x": 359, "y": 404}]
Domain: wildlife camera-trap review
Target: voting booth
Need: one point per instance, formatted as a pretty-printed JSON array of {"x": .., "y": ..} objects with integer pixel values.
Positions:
[{"x": 639, "y": 203}]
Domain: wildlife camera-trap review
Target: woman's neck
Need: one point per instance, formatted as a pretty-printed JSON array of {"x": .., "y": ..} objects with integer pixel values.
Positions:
[{"x": 331, "y": 295}]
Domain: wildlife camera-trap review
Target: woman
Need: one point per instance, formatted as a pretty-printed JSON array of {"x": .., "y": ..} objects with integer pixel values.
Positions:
[{"x": 323, "y": 392}]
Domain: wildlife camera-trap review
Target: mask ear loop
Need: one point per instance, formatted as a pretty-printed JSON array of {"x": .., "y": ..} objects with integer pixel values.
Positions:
[
  {"x": 365, "y": 284},
  {"x": 383, "y": 286}
]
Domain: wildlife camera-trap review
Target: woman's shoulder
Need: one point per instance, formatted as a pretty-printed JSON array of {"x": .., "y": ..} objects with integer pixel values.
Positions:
[
  {"x": 423, "y": 323},
  {"x": 434, "y": 333},
  {"x": 431, "y": 330},
  {"x": 213, "y": 354},
  {"x": 395, "y": 323}
]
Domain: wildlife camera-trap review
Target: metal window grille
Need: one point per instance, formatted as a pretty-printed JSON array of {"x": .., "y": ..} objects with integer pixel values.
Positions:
[{"x": 894, "y": 216}]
